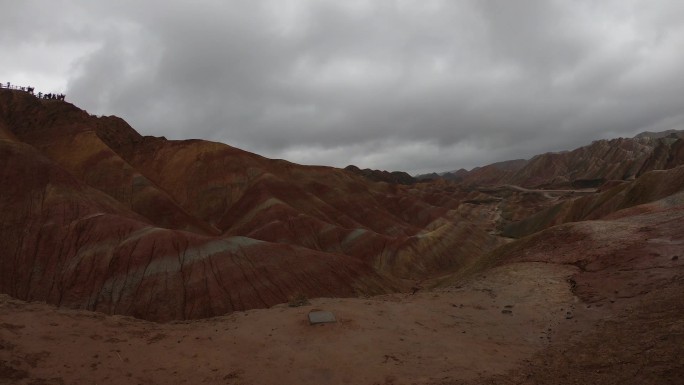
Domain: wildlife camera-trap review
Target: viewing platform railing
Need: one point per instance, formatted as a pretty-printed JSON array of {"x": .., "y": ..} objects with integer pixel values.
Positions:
[
  {"x": 13, "y": 87},
  {"x": 39, "y": 95}
]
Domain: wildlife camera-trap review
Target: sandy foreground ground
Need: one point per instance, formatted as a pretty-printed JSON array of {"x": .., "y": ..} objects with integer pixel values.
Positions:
[{"x": 483, "y": 328}]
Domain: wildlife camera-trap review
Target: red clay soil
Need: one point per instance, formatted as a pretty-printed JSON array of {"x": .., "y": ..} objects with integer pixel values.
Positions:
[
  {"x": 630, "y": 281},
  {"x": 592, "y": 302},
  {"x": 481, "y": 328}
]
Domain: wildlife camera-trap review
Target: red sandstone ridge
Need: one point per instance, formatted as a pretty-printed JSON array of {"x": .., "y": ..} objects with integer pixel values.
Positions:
[
  {"x": 584, "y": 167},
  {"x": 592, "y": 302},
  {"x": 96, "y": 216}
]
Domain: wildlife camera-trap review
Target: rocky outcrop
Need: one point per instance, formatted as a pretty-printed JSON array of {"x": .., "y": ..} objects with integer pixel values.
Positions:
[
  {"x": 668, "y": 153},
  {"x": 398, "y": 177},
  {"x": 661, "y": 134}
]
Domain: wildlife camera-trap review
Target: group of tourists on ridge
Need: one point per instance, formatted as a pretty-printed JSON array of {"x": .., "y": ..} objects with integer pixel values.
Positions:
[{"x": 30, "y": 90}]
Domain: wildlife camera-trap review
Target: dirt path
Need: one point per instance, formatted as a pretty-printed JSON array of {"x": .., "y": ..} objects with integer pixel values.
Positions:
[{"x": 486, "y": 327}]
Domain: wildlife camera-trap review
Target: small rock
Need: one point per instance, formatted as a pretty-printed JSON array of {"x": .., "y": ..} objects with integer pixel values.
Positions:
[
  {"x": 676, "y": 257},
  {"x": 507, "y": 311},
  {"x": 321, "y": 317}
]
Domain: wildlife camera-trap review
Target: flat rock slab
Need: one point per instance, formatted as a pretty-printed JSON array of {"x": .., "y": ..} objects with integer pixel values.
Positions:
[{"x": 321, "y": 317}]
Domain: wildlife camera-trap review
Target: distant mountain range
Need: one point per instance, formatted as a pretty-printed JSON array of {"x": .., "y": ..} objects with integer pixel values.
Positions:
[{"x": 587, "y": 166}]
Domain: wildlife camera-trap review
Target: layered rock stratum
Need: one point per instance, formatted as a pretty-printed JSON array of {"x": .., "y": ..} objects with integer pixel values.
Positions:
[
  {"x": 98, "y": 217},
  {"x": 564, "y": 269}
]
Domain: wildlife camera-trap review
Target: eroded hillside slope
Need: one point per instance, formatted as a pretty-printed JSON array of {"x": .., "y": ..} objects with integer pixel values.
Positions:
[
  {"x": 649, "y": 187},
  {"x": 589, "y": 302},
  {"x": 101, "y": 218}
]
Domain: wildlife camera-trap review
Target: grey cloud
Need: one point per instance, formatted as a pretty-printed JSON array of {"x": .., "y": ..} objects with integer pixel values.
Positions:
[{"x": 418, "y": 86}]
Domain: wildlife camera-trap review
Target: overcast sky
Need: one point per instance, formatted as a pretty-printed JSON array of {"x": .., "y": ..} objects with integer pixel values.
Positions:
[{"x": 416, "y": 85}]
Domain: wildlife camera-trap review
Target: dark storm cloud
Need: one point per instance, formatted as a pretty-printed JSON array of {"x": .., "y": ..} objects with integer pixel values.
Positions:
[{"x": 413, "y": 85}]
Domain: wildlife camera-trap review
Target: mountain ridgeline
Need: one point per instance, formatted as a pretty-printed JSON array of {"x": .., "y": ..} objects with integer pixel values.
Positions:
[
  {"x": 99, "y": 217},
  {"x": 585, "y": 167},
  {"x": 96, "y": 216}
]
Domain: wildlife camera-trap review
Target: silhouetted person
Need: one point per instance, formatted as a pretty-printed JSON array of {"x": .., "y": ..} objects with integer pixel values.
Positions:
[{"x": 40, "y": 95}]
